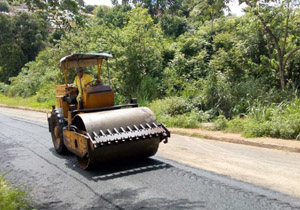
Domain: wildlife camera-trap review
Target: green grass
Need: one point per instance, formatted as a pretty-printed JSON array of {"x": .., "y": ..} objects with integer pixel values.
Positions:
[
  {"x": 26, "y": 102},
  {"x": 276, "y": 120},
  {"x": 175, "y": 112},
  {"x": 12, "y": 198}
]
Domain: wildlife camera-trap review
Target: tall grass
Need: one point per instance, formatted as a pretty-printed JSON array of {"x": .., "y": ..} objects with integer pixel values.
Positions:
[
  {"x": 175, "y": 112},
  {"x": 276, "y": 120},
  {"x": 26, "y": 102},
  {"x": 11, "y": 198}
]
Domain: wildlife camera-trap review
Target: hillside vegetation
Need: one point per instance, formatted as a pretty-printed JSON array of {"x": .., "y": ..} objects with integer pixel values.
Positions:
[{"x": 185, "y": 59}]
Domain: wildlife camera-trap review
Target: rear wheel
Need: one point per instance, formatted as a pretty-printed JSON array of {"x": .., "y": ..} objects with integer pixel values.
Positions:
[
  {"x": 57, "y": 123},
  {"x": 84, "y": 162}
]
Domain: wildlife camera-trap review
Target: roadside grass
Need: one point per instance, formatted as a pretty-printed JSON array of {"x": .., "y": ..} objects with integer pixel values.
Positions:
[
  {"x": 12, "y": 198},
  {"x": 275, "y": 120},
  {"x": 30, "y": 102},
  {"x": 175, "y": 112}
]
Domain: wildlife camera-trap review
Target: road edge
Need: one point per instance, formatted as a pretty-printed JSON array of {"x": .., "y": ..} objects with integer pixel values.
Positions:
[
  {"x": 26, "y": 108},
  {"x": 244, "y": 141}
]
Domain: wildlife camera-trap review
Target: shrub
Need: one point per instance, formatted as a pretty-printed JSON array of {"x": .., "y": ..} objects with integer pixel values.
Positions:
[
  {"x": 3, "y": 86},
  {"x": 276, "y": 120},
  {"x": 4, "y": 7},
  {"x": 175, "y": 112},
  {"x": 171, "y": 106},
  {"x": 253, "y": 128},
  {"x": 46, "y": 93},
  {"x": 236, "y": 125},
  {"x": 187, "y": 120},
  {"x": 220, "y": 123}
]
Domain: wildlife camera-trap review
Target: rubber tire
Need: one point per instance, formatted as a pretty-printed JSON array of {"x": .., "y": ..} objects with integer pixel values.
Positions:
[
  {"x": 57, "y": 123},
  {"x": 85, "y": 163}
]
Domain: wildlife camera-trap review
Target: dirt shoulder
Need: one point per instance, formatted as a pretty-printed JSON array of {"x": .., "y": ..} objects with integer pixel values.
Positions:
[{"x": 272, "y": 143}]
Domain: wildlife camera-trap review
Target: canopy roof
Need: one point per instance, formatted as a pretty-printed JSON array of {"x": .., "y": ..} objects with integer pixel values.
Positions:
[{"x": 82, "y": 60}]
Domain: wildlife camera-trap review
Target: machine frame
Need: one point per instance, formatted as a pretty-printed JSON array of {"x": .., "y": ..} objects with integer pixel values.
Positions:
[{"x": 96, "y": 98}]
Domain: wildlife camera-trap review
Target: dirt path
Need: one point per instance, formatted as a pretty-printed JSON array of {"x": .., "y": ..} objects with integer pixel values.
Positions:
[{"x": 273, "y": 169}]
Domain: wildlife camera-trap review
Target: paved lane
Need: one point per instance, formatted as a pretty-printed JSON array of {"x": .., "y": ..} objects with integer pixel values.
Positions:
[{"x": 56, "y": 182}]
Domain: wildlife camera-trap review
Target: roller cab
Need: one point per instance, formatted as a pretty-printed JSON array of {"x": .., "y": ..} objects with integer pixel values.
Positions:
[{"x": 96, "y": 130}]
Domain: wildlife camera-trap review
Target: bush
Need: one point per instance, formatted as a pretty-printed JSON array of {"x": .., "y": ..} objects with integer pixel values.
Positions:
[
  {"x": 220, "y": 123},
  {"x": 46, "y": 93},
  {"x": 236, "y": 125},
  {"x": 171, "y": 106},
  {"x": 4, "y": 7},
  {"x": 187, "y": 120},
  {"x": 175, "y": 112},
  {"x": 147, "y": 90},
  {"x": 3, "y": 86},
  {"x": 276, "y": 120}
]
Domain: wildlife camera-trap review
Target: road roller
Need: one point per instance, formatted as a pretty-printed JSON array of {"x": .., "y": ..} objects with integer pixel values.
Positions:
[{"x": 95, "y": 129}]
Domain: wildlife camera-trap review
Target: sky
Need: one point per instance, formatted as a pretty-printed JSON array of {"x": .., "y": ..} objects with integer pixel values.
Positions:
[
  {"x": 234, "y": 6},
  {"x": 98, "y": 2}
]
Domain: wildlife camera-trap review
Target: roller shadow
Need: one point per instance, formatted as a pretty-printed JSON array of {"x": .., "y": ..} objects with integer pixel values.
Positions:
[
  {"x": 112, "y": 170},
  {"x": 126, "y": 168},
  {"x": 109, "y": 171}
]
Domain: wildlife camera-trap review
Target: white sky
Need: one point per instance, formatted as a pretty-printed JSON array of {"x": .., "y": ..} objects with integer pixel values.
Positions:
[
  {"x": 98, "y": 2},
  {"x": 234, "y": 6}
]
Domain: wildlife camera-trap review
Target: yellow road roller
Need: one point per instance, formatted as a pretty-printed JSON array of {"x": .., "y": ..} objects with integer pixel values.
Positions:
[{"x": 96, "y": 130}]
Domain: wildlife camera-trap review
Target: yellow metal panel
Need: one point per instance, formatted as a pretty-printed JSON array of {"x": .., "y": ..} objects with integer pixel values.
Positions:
[
  {"x": 76, "y": 143},
  {"x": 63, "y": 105},
  {"x": 98, "y": 100},
  {"x": 59, "y": 102},
  {"x": 61, "y": 90}
]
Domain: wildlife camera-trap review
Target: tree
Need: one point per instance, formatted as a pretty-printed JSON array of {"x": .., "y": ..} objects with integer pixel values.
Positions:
[
  {"x": 62, "y": 13},
  {"x": 203, "y": 10},
  {"x": 137, "y": 48},
  {"x": 114, "y": 2},
  {"x": 4, "y": 7},
  {"x": 101, "y": 11},
  {"x": 30, "y": 32},
  {"x": 21, "y": 38},
  {"x": 81, "y": 2},
  {"x": 11, "y": 57},
  {"x": 173, "y": 25},
  {"x": 114, "y": 17},
  {"x": 89, "y": 9},
  {"x": 155, "y": 7},
  {"x": 276, "y": 20}
]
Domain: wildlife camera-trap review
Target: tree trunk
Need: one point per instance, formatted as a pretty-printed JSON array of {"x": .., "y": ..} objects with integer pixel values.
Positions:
[{"x": 281, "y": 75}]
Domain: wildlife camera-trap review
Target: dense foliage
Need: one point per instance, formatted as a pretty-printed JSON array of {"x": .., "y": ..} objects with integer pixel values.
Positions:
[
  {"x": 185, "y": 59},
  {"x": 22, "y": 38}
]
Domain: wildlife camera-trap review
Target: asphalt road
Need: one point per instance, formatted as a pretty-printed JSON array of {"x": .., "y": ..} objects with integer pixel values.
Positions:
[{"x": 57, "y": 182}]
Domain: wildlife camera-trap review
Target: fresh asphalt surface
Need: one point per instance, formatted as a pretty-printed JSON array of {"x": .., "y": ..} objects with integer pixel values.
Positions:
[{"x": 56, "y": 182}]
